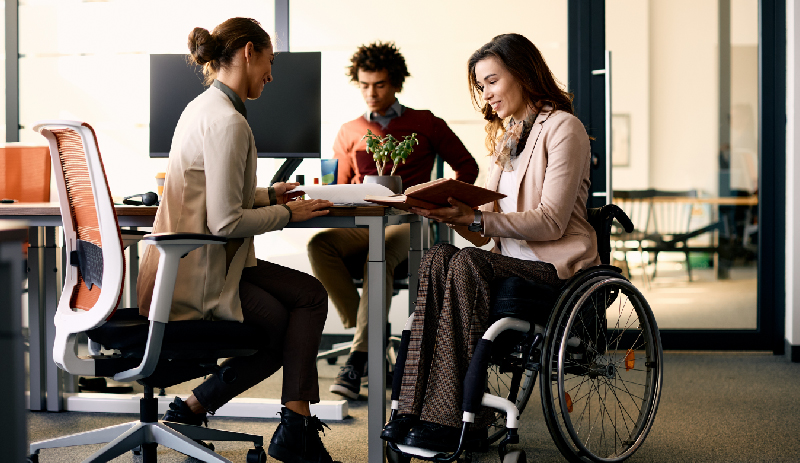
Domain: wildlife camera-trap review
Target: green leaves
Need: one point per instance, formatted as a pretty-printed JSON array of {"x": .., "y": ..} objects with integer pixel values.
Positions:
[{"x": 388, "y": 147}]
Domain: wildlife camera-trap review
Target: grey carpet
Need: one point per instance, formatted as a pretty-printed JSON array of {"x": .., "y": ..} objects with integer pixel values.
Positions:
[{"x": 715, "y": 407}]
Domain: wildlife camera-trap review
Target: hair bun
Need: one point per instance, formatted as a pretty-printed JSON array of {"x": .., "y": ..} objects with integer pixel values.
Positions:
[{"x": 202, "y": 46}]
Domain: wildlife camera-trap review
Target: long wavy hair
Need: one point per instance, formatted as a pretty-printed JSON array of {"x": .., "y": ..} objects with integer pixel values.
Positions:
[{"x": 525, "y": 63}]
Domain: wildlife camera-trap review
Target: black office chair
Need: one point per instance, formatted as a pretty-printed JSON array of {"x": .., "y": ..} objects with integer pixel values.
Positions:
[{"x": 154, "y": 352}]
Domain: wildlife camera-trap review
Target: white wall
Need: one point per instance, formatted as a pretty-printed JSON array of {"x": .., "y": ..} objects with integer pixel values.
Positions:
[
  {"x": 792, "y": 173},
  {"x": 628, "y": 38}
]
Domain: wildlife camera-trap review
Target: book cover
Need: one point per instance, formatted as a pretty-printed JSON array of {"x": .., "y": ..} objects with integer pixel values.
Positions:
[{"x": 434, "y": 194}]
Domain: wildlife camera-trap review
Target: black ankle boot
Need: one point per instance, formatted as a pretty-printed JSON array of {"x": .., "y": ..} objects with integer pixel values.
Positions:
[{"x": 297, "y": 439}]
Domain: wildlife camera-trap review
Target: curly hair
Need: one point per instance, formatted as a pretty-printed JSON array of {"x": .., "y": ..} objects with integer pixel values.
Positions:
[{"x": 378, "y": 56}]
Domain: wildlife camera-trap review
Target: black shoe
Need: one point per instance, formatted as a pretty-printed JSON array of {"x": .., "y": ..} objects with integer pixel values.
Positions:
[
  {"x": 297, "y": 439},
  {"x": 397, "y": 429},
  {"x": 441, "y": 438},
  {"x": 179, "y": 412},
  {"x": 348, "y": 383}
]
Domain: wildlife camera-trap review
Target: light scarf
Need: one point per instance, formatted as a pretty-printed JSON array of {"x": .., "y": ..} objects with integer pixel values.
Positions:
[{"x": 511, "y": 142}]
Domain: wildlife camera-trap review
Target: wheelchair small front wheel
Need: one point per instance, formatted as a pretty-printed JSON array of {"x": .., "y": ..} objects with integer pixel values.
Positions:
[{"x": 601, "y": 371}]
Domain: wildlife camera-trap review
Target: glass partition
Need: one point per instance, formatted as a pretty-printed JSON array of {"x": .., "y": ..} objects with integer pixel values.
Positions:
[{"x": 684, "y": 156}]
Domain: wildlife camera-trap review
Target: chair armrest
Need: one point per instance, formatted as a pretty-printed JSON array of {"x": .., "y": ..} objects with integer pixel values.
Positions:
[
  {"x": 131, "y": 237},
  {"x": 173, "y": 247}
]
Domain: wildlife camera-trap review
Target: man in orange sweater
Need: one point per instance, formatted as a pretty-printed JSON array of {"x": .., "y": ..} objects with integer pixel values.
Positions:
[{"x": 380, "y": 71}]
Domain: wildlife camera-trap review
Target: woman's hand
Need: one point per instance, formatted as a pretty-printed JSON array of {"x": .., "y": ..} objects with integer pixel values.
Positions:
[
  {"x": 304, "y": 209},
  {"x": 457, "y": 214},
  {"x": 281, "y": 190}
]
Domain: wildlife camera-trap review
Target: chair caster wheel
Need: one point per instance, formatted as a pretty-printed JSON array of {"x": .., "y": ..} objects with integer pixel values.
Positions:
[
  {"x": 257, "y": 455},
  {"x": 332, "y": 360},
  {"x": 33, "y": 458},
  {"x": 515, "y": 456}
]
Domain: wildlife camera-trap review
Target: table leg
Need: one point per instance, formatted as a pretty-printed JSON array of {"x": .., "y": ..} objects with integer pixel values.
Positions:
[
  {"x": 51, "y": 282},
  {"x": 132, "y": 274},
  {"x": 13, "y": 427},
  {"x": 377, "y": 336},
  {"x": 35, "y": 323},
  {"x": 415, "y": 253}
]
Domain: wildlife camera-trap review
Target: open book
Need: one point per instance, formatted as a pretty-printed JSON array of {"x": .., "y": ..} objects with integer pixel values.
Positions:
[{"x": 434, "y": 194}]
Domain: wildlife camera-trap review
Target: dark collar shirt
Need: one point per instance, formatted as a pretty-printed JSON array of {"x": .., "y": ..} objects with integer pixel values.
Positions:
[{"x": 238, "y": 104}]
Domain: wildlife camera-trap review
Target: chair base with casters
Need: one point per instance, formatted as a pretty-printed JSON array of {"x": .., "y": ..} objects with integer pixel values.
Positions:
[
  {"x": 124, "y": 334},
  {"x": 599, "y": 350},
  {"x": 145, "y": 435}
]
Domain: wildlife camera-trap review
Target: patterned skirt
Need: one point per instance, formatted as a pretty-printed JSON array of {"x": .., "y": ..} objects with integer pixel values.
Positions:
[{"x": 451, "y": 315}]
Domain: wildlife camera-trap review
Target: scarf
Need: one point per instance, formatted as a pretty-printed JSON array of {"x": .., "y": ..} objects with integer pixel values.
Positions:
[{"x": 510, "y": 143}]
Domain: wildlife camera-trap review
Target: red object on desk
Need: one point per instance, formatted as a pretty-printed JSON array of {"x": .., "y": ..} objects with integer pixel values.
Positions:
[{"x": 25, "y": 176}]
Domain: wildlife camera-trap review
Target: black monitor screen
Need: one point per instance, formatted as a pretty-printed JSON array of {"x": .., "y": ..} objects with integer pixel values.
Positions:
[{"x": 285, "y": 119}]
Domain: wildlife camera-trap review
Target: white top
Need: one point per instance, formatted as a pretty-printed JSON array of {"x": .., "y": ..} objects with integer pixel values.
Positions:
[{"x": 508, "y": 186}]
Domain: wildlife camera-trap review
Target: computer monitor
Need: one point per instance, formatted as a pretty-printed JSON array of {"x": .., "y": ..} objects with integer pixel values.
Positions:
[{"x": 285, "y": 119}]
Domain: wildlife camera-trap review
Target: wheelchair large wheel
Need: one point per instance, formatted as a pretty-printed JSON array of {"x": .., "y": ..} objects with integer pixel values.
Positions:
[{"x": 603, "y": 354}]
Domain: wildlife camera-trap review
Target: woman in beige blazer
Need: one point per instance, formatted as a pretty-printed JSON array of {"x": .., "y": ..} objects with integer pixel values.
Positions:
[
  {"x": 540, "y": 161},
  {"x": 210, "y": 187}
]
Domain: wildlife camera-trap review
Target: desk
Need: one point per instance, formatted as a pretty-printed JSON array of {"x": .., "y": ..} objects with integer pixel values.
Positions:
[
  {"x": 44, "y": 217},
  {"x": 13, "y": 428}
]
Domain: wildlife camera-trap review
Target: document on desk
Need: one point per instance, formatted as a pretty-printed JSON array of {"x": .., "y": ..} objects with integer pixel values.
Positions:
[{"x": 345, "y": 195}]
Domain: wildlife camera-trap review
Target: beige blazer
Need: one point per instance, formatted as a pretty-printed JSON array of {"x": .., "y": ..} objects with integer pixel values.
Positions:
[
  {"x": 553, "y": 182},
  {"x": 210, "y": 187}
]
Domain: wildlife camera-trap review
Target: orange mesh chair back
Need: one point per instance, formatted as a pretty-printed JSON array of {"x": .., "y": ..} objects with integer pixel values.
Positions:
[{"x": 82, "y": 207}]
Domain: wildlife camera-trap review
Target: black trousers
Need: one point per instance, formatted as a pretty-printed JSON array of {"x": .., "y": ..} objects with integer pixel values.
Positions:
[{"x": 290, "y": 308}]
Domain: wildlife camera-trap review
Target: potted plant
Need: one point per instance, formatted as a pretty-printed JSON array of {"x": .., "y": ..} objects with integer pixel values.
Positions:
[{"x": 385, "y": 149}]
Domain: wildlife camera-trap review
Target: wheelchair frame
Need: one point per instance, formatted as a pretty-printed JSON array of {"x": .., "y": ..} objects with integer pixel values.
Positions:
[{"x": 621, "y": 363}]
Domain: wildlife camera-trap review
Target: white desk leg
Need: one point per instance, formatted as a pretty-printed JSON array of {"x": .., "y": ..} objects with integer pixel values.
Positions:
[
  {"x": 52, "y": 283},
  {"x": 13, "y": 427},
  {"x": 35, "y": 323},
  {"x": 376, "y": 332}
]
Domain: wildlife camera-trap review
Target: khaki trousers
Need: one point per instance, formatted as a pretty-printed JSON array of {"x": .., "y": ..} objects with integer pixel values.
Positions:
[{"x": 336, "y": 253}]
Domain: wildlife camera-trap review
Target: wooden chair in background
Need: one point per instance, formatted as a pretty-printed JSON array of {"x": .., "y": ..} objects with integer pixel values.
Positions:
[{"x": 663, "y": 222}]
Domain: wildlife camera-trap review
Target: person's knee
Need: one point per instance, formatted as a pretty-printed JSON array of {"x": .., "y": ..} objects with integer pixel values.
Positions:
[
  {"x": 318, "y": 295},
  {"x": 466, "y": 258},
  {"x": 321, "y": 247}
]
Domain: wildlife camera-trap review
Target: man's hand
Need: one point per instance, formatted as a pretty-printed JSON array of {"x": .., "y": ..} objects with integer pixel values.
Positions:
[
  {"x": 281, "y": 190},
  {"x": 304, "y": 209},
  {"x": 457, "y": 214}
]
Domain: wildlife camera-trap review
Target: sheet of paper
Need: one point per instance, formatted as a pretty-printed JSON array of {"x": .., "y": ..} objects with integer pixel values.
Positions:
[{"x": 345, "y": 194}]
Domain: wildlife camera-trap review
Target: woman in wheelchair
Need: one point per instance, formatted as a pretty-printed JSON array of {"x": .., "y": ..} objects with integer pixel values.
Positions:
[
  {"x": 540, "y": 161},
  {"x": 211, "y": 188}
]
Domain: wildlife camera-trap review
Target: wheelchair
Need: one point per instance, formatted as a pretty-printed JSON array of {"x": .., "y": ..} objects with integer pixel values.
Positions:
[{"x": 599, "y": 356}]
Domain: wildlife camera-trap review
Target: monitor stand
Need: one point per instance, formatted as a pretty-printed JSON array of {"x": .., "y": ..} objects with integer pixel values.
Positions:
[{"x": 286, "y": 169}]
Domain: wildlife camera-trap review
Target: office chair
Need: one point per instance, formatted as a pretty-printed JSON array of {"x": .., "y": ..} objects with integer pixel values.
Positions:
[{"x": 154, "y": 352}]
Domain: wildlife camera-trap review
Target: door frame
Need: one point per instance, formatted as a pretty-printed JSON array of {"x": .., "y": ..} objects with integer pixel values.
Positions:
[{"x": 586, "y": 52}]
